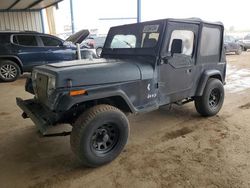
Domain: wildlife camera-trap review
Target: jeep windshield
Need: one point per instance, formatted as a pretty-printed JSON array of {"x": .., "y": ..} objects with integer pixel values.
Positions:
[{"x": 132, "y": 39}]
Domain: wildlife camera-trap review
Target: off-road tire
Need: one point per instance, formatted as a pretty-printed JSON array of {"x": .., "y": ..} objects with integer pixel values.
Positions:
[
  {"x": 87, "y": 128},
  {"x": 205, "y": 105},
  {"x": 9, "y": 71}
]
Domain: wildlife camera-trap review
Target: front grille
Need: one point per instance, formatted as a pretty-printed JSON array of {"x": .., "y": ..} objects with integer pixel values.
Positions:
[{"x": 41, "y": 86}]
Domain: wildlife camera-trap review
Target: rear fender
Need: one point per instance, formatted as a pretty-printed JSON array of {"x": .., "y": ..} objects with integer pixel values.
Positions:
[{"x": 204, "y": 78}]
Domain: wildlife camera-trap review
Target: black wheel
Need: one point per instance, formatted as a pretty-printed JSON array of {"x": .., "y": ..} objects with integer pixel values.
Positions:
[
  {"x": 239, "y": 51},
  {"x": 212, "y": 99},
  {"x": 9, "y": 71},
  {"x": 99, "y": 135},
  {"x": 98, "y": 52}
]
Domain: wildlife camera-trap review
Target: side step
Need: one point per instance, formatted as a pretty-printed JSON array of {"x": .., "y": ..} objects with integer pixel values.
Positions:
[
  {"x": 56, "y": 134},
  {"x": 184, "y": 101}
]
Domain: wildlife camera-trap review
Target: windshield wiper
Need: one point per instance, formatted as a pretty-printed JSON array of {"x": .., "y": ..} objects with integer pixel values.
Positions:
[{"x": 130, "y": 45}]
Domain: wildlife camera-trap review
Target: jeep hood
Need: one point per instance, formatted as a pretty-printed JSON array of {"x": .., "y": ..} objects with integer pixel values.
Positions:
[
  {"x": 78, "y": 37},
  {"x": 97, "y": 71}
]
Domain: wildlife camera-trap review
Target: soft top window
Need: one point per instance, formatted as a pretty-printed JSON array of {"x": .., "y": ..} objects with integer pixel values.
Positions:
[
  {"x": 187, "y": 38},
  {"x": 134, "y": 36},
  {"x": 123, "y": 41},
  {"x": 210, "y": 41}
]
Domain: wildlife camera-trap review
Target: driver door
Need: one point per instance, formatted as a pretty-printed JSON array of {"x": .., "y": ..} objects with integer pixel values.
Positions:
[{"x": 176, "y": 72}]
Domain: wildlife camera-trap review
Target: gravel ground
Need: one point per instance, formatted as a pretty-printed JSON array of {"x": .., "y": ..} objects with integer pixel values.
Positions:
[{"x": 167, "y": 148}]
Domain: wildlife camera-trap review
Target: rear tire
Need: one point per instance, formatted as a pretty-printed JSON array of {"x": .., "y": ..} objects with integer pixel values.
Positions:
[
  {"x": 99, "y": 135},
  {"x": 9, "y": 71},
  {"x": 210, "y": 103}
]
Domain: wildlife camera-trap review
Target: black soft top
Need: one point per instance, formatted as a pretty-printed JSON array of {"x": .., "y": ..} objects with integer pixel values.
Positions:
[
  {"x": 194, "y": 20},
  {"x": 138, "y": 26}
]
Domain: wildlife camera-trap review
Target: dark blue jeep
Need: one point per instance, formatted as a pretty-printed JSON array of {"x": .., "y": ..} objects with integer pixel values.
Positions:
[
  {"x": 21, "y": 51},
  {"x": 142, "y": 67}
]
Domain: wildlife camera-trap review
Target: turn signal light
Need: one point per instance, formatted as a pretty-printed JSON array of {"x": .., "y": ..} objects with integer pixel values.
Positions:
[{"x": 77, "y": 92}]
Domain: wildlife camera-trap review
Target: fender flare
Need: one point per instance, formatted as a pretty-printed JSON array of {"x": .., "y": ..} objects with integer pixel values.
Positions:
[
  {"x": 204, "y": 78},
  {"x": 66, "y": 102}
]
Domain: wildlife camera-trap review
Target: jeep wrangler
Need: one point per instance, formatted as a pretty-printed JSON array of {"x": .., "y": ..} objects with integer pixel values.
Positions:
[{"x": 143, "y": 66}]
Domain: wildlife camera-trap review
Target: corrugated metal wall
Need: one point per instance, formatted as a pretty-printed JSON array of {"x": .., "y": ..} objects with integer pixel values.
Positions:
[{"x": 20, "y": 21}]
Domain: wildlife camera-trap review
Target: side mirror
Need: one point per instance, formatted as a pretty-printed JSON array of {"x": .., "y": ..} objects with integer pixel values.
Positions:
[{"x": 176, "y": 47}]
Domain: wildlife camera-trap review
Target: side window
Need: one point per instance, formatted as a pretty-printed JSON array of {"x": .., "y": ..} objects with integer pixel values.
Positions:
[
  {"x": 25, "y": 40},
  {"x": 15, "y": 40},
  {"x": 187, "y": 38},
  {"x": 4, "y": 38},
  {"x": 210, "y": 41},
  {"x": 49, "y": 41}
]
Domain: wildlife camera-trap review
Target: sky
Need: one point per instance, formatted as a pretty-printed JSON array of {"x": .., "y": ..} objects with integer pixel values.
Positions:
[{"x": 87, "y": 13}]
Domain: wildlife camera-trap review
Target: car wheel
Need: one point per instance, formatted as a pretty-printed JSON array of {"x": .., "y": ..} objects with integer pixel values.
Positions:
[
  {"x": 9, "y": 71},
  {"x": 98, "y": 52},
  {"x": 239, "y": 51},
  {"x": 99, "y": 135},
  {"x": 212, "y": 99}
]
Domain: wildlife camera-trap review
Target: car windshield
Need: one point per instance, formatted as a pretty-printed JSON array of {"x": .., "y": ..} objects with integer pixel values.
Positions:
[{"x": 141, "y": 36}]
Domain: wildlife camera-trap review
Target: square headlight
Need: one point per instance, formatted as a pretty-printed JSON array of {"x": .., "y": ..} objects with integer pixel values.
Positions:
[{"x": 51, "y": 84}]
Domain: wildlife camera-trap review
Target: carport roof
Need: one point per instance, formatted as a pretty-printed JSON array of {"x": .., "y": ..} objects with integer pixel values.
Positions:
[{"x": 23, "y": 5}]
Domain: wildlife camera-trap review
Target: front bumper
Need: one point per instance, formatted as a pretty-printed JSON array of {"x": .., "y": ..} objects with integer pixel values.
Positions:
[{"x": 40, "y": 115}]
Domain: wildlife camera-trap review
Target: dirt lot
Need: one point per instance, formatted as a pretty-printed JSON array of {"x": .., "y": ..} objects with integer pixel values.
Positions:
[{"x": 167, "y": 148}]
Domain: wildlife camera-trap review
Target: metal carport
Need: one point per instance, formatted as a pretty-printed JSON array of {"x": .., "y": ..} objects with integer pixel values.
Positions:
[{"x": 23, "y": 14}]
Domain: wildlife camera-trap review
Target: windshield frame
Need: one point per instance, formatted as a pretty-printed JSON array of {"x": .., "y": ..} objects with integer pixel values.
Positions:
[{"x": 137, "y": 30}]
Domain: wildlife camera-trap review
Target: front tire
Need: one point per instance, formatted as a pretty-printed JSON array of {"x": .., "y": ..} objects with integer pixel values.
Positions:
[
  {"x": 210, "y": 103},
  {"x": 99, "y": 135},
  {"x": 9, "y": 71}
]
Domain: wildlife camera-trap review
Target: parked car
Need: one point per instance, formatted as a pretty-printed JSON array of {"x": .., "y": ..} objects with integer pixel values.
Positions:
[
  {"x": 232, "y": 45},
  {"x": 21, "y": 51},
  {"x": 245, "y": 42},
  {"x": 96, "y": 42},
  {"x": 144, "y": 66}
]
